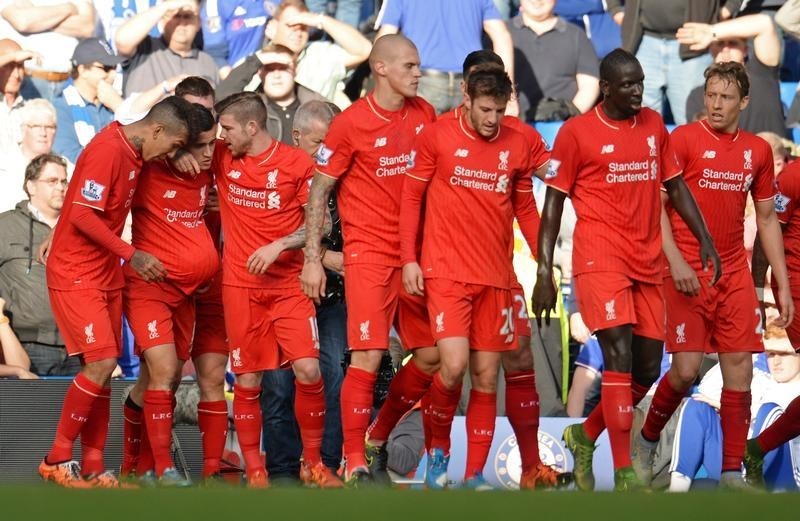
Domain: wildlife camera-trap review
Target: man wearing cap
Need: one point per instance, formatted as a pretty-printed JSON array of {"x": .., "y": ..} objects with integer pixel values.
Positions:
[
  {"x": 12, "y": 72},
  {"x": 88, "y": 101}
]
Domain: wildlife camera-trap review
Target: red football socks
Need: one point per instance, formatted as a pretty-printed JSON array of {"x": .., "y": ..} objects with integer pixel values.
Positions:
[
  {"x": 74, "y": 415},
  {"x": 425, "y": 411},
  {"x": 158, "y": 417},
  {"x": 356, "y": 400},
  {"x": 665, "y": 403},
  {"x": 309, "y": 409},
  {"x": 94, "y": 434},
  {"x": 785, "y": 428},
  {"x": 247, "y": 420},
  {"x": 132, "y": 436},
  {"x": 522, "y": 410},
  {"x": 443, "y": 405},
  {"x": 212, "y": 420},
  {"x": 734, "y": 415},
  {"x": 617, "y": 407},
  {"x": 481, "y": 414},
  {"x": 407, "y": 387},
  {"x": 595, "y": 424}
]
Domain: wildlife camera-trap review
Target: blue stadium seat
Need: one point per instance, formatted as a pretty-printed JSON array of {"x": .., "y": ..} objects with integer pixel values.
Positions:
[
  {"x": 796, "y": 135},
  {"x": 788, "y": 89},
  {"x": 548, "y": 130}
]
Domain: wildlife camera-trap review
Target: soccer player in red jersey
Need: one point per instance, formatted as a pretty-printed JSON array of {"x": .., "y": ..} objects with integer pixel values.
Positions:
[
  {"x": 263, "y": 186},
  {"x": 612, "y": 162},
  {"x": 367, "y": 150},
  {"x": 85, "y": 280},
  {"x": 721, "y": 164},
  {"x": 475, "y": 176}
]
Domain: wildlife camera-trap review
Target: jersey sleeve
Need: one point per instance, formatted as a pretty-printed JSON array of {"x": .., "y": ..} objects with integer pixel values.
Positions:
[
  {"x": 788, "y": 196},
  {"x": 669, "y": 163},
  {"x": 678, "y": 143},
  {"x": 563, "y": 170},
  {"x": 99, "y": 171},
  {"x": 336, "y": 152},
  {"x": 763, "y": 187},
  {"x": 422, "y": 164},
  {"x": 539, "y": 154}
]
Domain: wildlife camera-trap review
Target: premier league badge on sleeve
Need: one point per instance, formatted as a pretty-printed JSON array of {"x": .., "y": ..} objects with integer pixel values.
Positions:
[
  {"x": 552, "y": 169},
  {"x": 324, "y": 155},
  {"x": 92, "y": 191},
  {"x": 781, "y": 203}
]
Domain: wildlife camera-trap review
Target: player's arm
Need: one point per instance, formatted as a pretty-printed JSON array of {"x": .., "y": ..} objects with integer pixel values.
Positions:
[
  {"x": 414, "y": 189},
  {"x": 683, "y": 275},
  {"x": 260, "y": 260},
  {"x": 771, "y": 242},
  {"x": 683, "y": 201},
  {"x": 312, "y": 279},
  {"x": 86, "y": 220},
  {"x": 544, "y": 291},
  {"x": 527, "y": 217}
]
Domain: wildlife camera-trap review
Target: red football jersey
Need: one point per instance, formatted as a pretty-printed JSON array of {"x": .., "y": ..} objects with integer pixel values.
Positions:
[
  {"x": 168, "y": 222},
  {"x": 367, "y": 148},
  {"x": 787, "y": 206},
  {"x": 105, "y": 179},
  {"x": 539, "y": 152},
  {"x": 261, "y": 199},
  {"x": 469, "y": 214},
  {"x": 613, "y": 172},
  {"x": 720, "y": 169}
]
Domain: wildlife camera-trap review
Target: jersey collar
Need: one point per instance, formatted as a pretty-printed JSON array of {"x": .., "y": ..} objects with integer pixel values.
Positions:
[
  {"x": 719, "y": 136},
  {"x": 135, "y": 153},
  {"x": 386, "y": 115},
  {"x": 611, "y": 123},
  {"x": 472, "y": 133}
]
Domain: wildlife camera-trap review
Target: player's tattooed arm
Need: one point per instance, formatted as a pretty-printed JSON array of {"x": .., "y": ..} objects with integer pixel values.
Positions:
[
  {"x": 683, "y": 274},
  {"x": 260, "y": 260},
  {"x": 683, "y": 201},
  {"x": 544, "y": 291},
  {"x": 312, "y": 279}
]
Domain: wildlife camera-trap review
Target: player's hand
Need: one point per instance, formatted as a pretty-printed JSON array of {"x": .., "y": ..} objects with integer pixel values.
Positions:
[
  {"x": 24, "y": 374},
  {"x": 786, "y": 307},
  {"x": 412, "y": 279},
  {"x": 708, "y": 252},
  {"x": 147, "y": 266},
  {"x": 312, "y": 280},
  {"x": 697, "y": 36},
  {"x": 212, "y": 201},
  {"x": 578, "y": 329},
  {"x": 260, "y": 260},
  {"x": 185, "y": 162},
  {"x": 685, "y": 278},
  {"x": 334, "y": 261},
  {"x": 544, "y": 297},
  {"x": 44, "y": 248}
]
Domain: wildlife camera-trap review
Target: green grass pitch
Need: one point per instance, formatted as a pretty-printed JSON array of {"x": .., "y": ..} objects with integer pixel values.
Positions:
[{"x": 45, "y": 503}]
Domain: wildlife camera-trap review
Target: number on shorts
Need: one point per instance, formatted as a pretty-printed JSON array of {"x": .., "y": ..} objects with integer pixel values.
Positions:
[
  {"x": 523, "y": 307},
  {"x": 759, "y": 327},
  {"x": 508, "y": 321}
]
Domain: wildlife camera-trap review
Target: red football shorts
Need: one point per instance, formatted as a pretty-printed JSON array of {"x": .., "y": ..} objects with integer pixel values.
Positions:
[
  {"x": 722, "y": 319},
  {"x": 794, "y": 328},
  {"x": 483, "y": 314},
  {"x": 522, "y": 322},
  {"x": 90, "y": 321},
  {"x": 209, "y": 328},
  {"x": 268, "y": 327},
  {"x": 159, "y": 314},
  {"x": 376, "y": 300},
  {"x": 609, "y": 299}
]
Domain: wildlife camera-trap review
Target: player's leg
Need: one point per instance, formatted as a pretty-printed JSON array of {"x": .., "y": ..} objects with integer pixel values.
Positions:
[
  {"x": 734, "y": 413},
  {"x": 163, "y": 367},
  {"x": 133, "y": 422},
  {"x": 481, "y": 415}
]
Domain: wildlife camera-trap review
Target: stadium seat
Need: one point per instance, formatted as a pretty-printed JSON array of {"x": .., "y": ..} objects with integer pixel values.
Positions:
[
  {"x": 548, "y": 130},
  {"x": 788, "y": 89},
  {"x": 796, "y": 135}
]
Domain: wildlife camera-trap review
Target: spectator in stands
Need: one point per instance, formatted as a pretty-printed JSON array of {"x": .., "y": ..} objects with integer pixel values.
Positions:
[
  {"x": 347, "y": 11},
  {"x": 648, "y": 31},
  {"x": 38, "y": 130},
  {"x": 444, "y": 33},
  {"x": 584, "y": 392},
  {"x": 321, "y": 65},
  {"x": 14, "y": 361},
  {"x": 111, "y": 14},
  {"x": 138, "y": 104},
  {"x": 88, "y": 101},
  {"x": 275, "y": 66},
  {"x": 780, "y": 155},
  {"x": 727, "y": 41},
  {"x": 151, "y": 60},
  {"x": 22, "y": 278},
  {"x": 52, "y": 30},
  {"x": 788, "y": 18},
  {"x": 12, "y": 73},
  {"x": 232, "y": 30},
  {"x": 556, "y": 66}
]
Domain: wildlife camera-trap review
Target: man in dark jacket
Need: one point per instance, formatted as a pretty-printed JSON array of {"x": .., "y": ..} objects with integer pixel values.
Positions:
[
  {"x": 22, "y": 278},
  {"x": 275, "y": 66}
]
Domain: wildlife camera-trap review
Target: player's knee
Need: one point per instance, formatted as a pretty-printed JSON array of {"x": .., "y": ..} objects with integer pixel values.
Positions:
[
  {"x": 521, "y": 359},
  {"x": 369, "y": 359},
  {"x": 99, "y": 371},
  {"x": 249, "y": 380},
  {"x": 682, "y": 376},
  {"x": 451, "y": 372},
  {"x": 306, "y": 370},
  {"x": 426, "y": 360}
]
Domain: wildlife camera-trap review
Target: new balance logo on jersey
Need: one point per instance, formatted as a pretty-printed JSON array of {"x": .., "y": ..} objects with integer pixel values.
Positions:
[
  {"x": 607, "y": 149},
  {"x": 272, "y": 179},
  {"x": 680, "y": 333},
  {"x": 748, "y": 159},
  {"x": 440, "y": 322},
  {"x": 461, "y": 152},
  {"x": 709, "y": 154},
  {"x": 234, "y": 174},
  {"x": 89, "y": 332},
  {"x": 503, "y": 158},
  {"x": 152, "y": 329},
  {"x": 552, "y": 169},
  {"x": 610, "y": 313},
  {"x": 651, "y": 142},
  {"x": 502, "y": 184},
  {"x": 170, "y": 194},
  {"x": 380, "y": 142},
  {"x": 236, "y": 357},
  {"x": 273, "y": 201},
  {"x": 781, "y": 202},
  {"x": 364, "y": 328}
]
